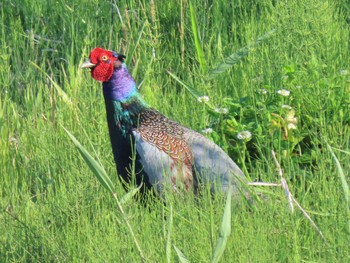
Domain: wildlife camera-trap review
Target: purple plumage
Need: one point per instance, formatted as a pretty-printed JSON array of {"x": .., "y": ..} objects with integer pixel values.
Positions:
[{"x": 121, "y": 86}]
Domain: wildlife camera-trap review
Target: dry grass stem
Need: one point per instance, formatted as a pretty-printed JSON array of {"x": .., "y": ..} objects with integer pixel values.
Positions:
[
  {"x": 283, "y": 182},
  {"x": 263, "y": 184}
]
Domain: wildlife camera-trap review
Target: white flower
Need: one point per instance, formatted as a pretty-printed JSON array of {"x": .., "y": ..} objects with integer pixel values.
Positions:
[
  {"x": 284, "y": 77},
  {"x": 203, "y": 99},
  {"x": 13, "y": 140},
  {"x": 293, "y": 120},
  {"x": 290, "y": 117},
  {"x": 262, "y": 91},
  {"x": 207, "y": 130},
  {"x": 257, "y": 79},
  {"x": 291, "y": 126},
  {"x": 285, "y": 106},
  {"x": 344, "y": 72},
  {"x": 244, "y": 135},
  {"x": 221, "y": 110},
  {"x": 283, "y": 92}
]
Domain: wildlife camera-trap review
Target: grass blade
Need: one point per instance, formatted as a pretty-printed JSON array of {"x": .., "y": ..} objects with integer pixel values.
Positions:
[
  {"x": 129, "y": 195},
  {"x": 131, "y": 53},
  {"x": 191, "y": 90},
  {"x": 94, "y": 166},
  {"x": 170, "y": 227},
  {"x": 181, "y": 256},
  {"x": 342, "y": 177},
  {"x": 59, "y": 90},
  {"x": 236, "y": 57},
  {"x": 200, "y": 53},
  {"x": 343, "y": 181},
  {"x": 225, "y": 229}
]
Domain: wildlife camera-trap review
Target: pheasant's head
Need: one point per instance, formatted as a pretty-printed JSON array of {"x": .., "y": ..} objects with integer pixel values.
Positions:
[{"x": 102, "y": 63}]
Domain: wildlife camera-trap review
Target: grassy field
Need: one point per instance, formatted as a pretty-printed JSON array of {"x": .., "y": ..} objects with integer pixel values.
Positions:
[{"x": 281, "y": 70}]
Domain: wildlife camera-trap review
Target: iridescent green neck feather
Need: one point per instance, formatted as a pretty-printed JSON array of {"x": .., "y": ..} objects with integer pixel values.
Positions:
[{"x": 123, "y": 102}]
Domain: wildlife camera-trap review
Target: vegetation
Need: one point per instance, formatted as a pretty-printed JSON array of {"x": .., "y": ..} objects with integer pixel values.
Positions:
[{"x": 276, "y": 70}]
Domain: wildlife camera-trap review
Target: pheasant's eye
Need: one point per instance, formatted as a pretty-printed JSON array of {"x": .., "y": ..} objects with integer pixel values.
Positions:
[{"x": 104, "y": 58}]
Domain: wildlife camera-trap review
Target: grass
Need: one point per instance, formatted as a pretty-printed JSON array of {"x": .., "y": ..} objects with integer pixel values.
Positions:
[{"x": 53, "y": 209}]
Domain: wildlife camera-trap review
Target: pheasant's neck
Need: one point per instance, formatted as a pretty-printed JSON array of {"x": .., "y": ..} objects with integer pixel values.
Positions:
[
  {"x": 123, "y": 102},
  {"x": 121, "y": 86}
]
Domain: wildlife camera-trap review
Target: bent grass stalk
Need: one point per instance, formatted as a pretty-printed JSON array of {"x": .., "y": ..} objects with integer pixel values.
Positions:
[
  {"x": 291, "y": 198},
  {"x": 106, "y": 182}
]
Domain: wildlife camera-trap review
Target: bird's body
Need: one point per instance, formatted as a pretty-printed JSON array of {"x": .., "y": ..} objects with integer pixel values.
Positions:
[{"x": 162, "y": 152}]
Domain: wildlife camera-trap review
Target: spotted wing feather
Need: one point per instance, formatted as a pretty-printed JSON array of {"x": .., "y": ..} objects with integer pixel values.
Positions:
[
  {"x": 163, "y": 150},
  {"x": 189, "y": 155}
]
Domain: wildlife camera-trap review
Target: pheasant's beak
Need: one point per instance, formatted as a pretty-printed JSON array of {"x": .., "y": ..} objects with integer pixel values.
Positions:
[{"x": 87, "y": 64}]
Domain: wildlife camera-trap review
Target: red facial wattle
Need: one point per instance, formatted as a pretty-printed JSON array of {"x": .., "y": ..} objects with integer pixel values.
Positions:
[
  {"x": 104, "y": 61},
  {"x": 103, "y": 72}
]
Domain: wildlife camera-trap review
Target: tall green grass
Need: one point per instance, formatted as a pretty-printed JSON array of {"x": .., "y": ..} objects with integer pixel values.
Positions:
[{"x": 53, "y": 209}]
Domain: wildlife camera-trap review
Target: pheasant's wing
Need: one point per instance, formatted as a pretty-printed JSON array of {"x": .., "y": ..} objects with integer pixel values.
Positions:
[
  {"x": 155, "y": 162},
  {"x": 171, "y": 153},
  {"x": 166, "y": 157},
  {"x": 212, "y": 164}
]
